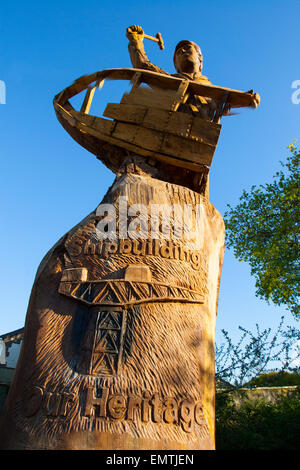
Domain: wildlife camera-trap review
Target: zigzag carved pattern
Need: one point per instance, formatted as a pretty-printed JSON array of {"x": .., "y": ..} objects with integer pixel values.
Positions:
[
  {"x": 120, "y": 292},
  {"x": 101, "y": 349}
]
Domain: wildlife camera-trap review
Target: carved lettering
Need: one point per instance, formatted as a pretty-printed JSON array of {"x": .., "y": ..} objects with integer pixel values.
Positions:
[
  {"x": 195, "y": 260},
  {"x": 164, "y": 248},
  {"x": 99, "y": 247},
  {"x": 157, "y": 409},
  {"x": 125, "y": 247},
  {"x": 167, "y": 250},
  {"x": 54, "y": 403},
  {"x": 187, "y": 415},
  {"x": 93, "y": 402},
  {"x": 199, "y": 415},
  {"x": 139, "y": 247},
  {"x": 171, "y": 411},
  {"x": 176, "y": 252},
  {"x": 89, "y": 248},
  {"x": 134, "y": 406},
  {"x": 149, "y": 249},
  {"x": 75, "y": 247},
  {"x": 117, "y": 407},
  {"x": 67, "y": 398},
  {"x": 147, "y": 407},
  {"x": 33, "y": 401},
  {"x": 156, "y": 247},
  {"x": 110, "y": 248}
]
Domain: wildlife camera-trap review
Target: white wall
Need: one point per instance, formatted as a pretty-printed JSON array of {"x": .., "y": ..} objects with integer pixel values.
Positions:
[
  {"x": 2, "y": 352},
  {"x": 13, "y": 355}
]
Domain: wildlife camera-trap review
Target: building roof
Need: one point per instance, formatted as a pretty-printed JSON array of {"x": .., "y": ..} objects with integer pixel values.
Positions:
[{"x": 13, "y": 336}]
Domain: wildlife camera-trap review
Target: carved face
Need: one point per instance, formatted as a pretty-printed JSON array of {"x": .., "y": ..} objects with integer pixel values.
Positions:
[{"x": 187, "y": 58}]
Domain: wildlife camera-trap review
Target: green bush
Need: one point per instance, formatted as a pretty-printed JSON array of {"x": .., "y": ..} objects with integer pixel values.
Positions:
[
  {"x": 258, "y": 425},
  {"x": 276, "y": 379}
]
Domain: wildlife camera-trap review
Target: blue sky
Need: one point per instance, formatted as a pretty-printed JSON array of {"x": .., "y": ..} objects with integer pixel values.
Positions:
[{"x": 49, "y": 183}]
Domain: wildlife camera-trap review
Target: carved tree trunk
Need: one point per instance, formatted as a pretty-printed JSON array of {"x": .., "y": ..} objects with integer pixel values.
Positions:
[{"x": 118, "y": 349}]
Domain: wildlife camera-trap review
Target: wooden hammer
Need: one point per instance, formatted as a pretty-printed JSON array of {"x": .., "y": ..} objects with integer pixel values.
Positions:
[{"x": 157, "y": 39}]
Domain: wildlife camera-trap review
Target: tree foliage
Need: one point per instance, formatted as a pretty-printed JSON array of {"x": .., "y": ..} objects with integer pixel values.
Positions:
[
  {"x": 258, "y": 424},
  {"x": 263, "y": 229},
  {"x": 257, "y": 353},
  {"x": 276, "y": 379},
  {"x": 259, "y": 358}
]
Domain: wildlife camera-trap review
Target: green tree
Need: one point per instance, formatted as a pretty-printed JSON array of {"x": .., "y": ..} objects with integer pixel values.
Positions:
[
  {"x": 259, "y": 358},
  {"x": 276, "y": 379},
  {"x": 258, "y": 424},
  {"x": 263, "y": 229},
  {"x": 256, "y": 353}
]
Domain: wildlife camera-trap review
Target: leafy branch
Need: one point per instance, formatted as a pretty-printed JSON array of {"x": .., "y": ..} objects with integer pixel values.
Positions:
[{"x": 257, "y": 353}]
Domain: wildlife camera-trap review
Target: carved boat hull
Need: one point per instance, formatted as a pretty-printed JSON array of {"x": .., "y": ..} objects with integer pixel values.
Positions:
[{"x": 147, "y": 121}]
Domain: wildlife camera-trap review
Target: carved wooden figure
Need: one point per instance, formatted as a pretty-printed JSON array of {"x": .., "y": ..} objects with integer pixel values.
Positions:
[{"x": 118, "y": 349}]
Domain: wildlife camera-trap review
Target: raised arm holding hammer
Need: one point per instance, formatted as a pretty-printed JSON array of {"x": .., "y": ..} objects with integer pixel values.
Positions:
[
  {"x": 188, "y": 62},
  {"x": 137, "y": 53}
]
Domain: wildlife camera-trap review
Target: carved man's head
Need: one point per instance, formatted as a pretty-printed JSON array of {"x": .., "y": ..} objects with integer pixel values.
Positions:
[{"x": 188, "y": 57}]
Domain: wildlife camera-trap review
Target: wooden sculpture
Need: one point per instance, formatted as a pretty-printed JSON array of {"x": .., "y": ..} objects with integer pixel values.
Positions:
[{"x": 118, "y": 349}]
